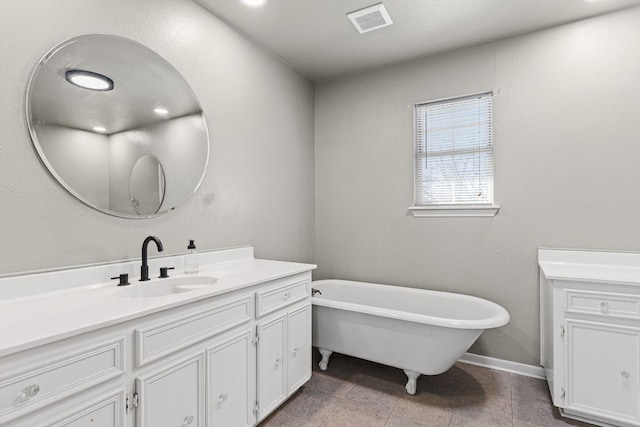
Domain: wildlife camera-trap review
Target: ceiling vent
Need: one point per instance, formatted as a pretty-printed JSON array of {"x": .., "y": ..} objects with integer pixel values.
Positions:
[{"x": 370, "y": 18}]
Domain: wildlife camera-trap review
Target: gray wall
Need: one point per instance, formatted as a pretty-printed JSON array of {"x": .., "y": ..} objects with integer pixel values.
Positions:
[
  {"x": 567, "y": 126},
  {"x": 259, "y": 186}
]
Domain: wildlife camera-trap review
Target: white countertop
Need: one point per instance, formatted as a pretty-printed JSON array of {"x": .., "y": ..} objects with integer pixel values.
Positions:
[
  {"x": 36, "y": 319},
  {"x": 622, "y": 268}
]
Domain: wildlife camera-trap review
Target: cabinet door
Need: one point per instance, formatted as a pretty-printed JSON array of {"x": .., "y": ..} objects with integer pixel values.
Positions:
[
  {"x": 271, "y": 372},
  {"x": 229, "y": 368},
  {"x": 603, "y": 369},
  {"x": 173, "y": 395},
  {"x": 299, "y": 347}
]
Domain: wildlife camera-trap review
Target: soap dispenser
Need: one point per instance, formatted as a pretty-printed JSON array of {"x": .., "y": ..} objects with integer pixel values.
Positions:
[{"x": 191, "y": 259}]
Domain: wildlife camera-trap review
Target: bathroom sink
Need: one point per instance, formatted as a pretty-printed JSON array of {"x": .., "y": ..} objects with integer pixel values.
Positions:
[{"x": 162, "y": 287}]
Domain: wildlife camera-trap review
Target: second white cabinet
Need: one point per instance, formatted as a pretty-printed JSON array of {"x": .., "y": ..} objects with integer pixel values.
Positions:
[
  {"x": 283, "y": 355},
  {"x": 590, "y": 335}
]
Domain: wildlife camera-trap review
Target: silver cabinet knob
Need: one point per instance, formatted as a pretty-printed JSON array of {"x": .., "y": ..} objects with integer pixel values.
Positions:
[
  {"x": 625, "y": 374},
  {"x": 188, "y": 420},
  {"x": 222, "y": 398},
  {"x": 604, "y": 307},
  {"x": 27, "y": 393}
]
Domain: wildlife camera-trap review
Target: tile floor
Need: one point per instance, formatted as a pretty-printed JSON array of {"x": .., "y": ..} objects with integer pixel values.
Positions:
[{"x": 355, "y": 392}]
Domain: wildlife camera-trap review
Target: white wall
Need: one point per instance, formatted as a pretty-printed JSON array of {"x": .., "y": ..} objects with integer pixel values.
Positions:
[
  {"x": 259, "y": 186},
  {"x": 567, "y": 171}
]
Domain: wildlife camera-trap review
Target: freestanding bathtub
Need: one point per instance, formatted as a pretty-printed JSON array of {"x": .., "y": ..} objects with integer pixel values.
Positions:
[{"x": 417, "y": 330}]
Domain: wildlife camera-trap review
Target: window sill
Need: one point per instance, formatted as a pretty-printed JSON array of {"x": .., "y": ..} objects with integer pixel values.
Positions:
[{"x": 454, "y": 211}]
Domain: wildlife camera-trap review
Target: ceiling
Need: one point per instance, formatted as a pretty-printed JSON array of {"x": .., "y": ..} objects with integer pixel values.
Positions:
[{"x": 317, "y": 39}]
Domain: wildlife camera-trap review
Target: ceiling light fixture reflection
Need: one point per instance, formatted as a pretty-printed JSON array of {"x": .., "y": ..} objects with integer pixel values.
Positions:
[
  {"x": 89, "y": 80},
  {"x": 99, "y": 129},
  {"x": 161, "y": 111},
  {"x": 254, "y": 3}
]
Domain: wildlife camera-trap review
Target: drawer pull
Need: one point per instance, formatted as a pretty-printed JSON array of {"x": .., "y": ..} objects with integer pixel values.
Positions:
[
  {"x": 604, "y": 307},
  {"x": 624, "y": 374},
  {"x": 295, "y": 352},
  {"x": 27, "y": 393},
  {"x": 278, "y": 362},
  {"x": 188, "y": 420},
  {"x": 287, "y": 296}
]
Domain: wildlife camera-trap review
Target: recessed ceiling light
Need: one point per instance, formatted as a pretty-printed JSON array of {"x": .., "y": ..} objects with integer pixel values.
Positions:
[
  {"x": 99, "y": 129},
  {"x": 254, "y": 3},
  {"x": 88, "y": 80},
  {"x": 161, "y": 111}
]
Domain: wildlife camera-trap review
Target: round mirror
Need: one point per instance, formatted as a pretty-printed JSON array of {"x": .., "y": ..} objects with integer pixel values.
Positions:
[{"x": 117, "y": 126}]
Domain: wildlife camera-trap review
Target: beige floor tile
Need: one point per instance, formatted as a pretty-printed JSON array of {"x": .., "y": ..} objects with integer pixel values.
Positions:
[
  {"x": 281, "y": 419},
  {"x": 396, "y": 421},
  {"x": 326, "y": 383},
  {"x": 376, "y": 393},
  {"x": 470, "y": 404},
  {"x": 438, "y": 385},
  {"x": 310, "y": 405},
  {"x": 477, "y": 381},
  {"x": 353, "y": 414},
  {"x": 480, "y": 419},
  {"x": 355, "y": 392},
  {"x": 423, "y": 408},
  {"x": 540, "y": 413},
  {"x": 529, "y": 388}
]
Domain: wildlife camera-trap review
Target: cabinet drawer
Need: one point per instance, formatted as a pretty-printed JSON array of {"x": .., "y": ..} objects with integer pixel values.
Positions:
[
  {"x": 603, "y": 303},
  {"x": 157, "y": 341},
  {"x": 58, "y": 378},
  {"x": 274, "y": 298},
  {"x": 107, "y": 410}
]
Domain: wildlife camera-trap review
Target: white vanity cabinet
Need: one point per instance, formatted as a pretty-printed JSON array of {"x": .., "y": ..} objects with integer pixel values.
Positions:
[
  {"x": 283, "y": 343},
  {"x": 210, "y": 362},
  {"x": 590, "y": 335},
  {"x": 173, "y": 395},
  {"x": 230, "y": 378}
]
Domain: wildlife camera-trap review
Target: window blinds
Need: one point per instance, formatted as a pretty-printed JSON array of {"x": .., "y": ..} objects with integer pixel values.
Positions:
[{"x": 454, "y": 151}]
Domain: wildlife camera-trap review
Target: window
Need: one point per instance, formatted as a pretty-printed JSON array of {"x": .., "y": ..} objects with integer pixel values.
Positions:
[{"x": 454, "y": 157}]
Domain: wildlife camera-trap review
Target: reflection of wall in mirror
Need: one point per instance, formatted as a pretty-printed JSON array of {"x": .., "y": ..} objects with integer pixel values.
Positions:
[
  {"x": 80, "y": 158},
  {"x": 180, "y": 146}
]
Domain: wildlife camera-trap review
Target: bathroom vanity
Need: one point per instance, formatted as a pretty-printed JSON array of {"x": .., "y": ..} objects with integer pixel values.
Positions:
[
  {"x": 223, "y": 347},
  {"x": 590, "y": 334}
]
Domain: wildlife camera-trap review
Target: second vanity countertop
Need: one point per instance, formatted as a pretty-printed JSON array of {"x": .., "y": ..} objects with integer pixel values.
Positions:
[
  {"x": 32, "y": 320},
  {"x": 618, "y": 268}
]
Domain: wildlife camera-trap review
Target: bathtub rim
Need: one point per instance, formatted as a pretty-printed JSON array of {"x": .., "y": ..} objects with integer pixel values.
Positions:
[{"x": 500, "y": 318}]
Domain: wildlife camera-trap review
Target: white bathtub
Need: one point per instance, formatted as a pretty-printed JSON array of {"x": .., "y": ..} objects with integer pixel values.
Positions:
[{"x": 417, "y": 330}]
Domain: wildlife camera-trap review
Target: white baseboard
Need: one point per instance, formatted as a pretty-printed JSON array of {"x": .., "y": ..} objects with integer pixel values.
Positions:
[{"x": 504, "y": 365}]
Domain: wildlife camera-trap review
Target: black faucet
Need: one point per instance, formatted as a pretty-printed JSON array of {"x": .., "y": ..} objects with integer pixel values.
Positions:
[{"x": 144, "y": 269}]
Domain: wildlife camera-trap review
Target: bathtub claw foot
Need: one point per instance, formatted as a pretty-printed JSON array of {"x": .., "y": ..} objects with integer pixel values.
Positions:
[
  {"x": 411, "y": 386},
  {"x": 325, "y": 358}
]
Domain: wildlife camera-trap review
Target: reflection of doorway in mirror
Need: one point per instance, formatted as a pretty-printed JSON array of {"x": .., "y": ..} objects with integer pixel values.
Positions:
[{"x": 147, "y": 185}]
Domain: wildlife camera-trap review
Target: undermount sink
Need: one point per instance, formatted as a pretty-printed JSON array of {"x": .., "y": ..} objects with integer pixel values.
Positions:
[{"x": 162, "y": 287}]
